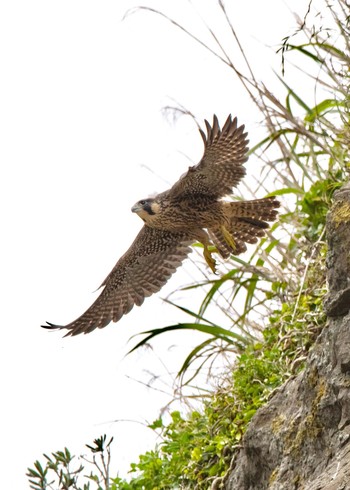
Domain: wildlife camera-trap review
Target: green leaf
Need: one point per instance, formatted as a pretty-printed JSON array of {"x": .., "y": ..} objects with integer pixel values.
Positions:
[
  {"x": 215, "y": 331},
  {"x": 321, "y": 108},
  {"x": 286, "y": 190}
]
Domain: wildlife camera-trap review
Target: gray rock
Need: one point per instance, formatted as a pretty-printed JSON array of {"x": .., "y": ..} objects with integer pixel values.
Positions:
[{"x": 301, "y": 438}]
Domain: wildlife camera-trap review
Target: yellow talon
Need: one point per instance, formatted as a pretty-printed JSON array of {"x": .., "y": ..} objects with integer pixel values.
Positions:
[
  {"x": 209, "y": 259},
  {"x": 228, "y": 238}
]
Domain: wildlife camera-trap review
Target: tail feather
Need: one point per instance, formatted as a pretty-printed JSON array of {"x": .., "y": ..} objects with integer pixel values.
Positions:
[
  {"x": 248, "y": 221},
  {"x": 254, "y": 222},
  {"x": 260, "y": 209},
  {"x": 217, "y": 237}
]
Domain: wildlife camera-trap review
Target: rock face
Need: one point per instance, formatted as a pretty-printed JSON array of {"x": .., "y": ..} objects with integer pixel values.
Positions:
[{"x": 301, "y": 438}]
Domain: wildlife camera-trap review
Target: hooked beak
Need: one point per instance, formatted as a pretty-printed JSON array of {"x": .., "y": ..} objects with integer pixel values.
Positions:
[{"x": 136, "y": 208}]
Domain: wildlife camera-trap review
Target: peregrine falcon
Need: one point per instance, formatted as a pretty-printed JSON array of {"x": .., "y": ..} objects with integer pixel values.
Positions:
[{"x": 192, "y": 210}]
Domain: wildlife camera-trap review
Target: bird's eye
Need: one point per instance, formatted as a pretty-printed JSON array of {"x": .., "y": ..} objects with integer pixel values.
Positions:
[{"x": 143, "y": 202}]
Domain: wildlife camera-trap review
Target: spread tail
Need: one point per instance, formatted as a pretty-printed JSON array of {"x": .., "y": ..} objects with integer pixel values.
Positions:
[{"x": 248, "y": 221}]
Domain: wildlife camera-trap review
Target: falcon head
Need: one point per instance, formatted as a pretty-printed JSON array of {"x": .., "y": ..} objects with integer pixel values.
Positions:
[{"x": 146, "y": 208}]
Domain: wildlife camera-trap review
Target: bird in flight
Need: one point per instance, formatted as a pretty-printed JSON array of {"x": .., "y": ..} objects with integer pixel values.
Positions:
[{"x": 192, "y": 210}]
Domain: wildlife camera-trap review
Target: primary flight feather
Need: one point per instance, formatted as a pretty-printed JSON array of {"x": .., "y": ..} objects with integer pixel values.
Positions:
[{"x": 192, "y": 210}]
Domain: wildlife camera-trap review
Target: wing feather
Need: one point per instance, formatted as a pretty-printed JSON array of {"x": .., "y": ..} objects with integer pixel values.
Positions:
[
  {"x": 221, "y": 167},
  {"x": 140, "y": 272}
]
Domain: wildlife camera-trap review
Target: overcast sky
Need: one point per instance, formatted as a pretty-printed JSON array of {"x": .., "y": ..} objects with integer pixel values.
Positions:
[{"x": 83, "y": 137}]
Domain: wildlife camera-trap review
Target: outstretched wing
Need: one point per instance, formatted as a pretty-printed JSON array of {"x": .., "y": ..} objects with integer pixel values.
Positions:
[
  {"x": 221, "y": 167},
  {"x": 141, "y": 271}
]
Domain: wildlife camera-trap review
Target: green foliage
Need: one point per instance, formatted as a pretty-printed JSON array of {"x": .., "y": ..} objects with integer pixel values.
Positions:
[
  {"x": 198, "y": 447},
  {"x": 62, "y": 472},
  {"x": 314, "y": 207}
]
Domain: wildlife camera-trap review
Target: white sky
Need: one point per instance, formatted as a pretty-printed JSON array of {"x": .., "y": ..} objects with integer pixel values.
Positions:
[{"x": 81, "y": 93}]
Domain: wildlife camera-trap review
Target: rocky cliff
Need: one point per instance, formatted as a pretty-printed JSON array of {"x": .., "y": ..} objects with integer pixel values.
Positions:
[{"x": 301, "y": 438}]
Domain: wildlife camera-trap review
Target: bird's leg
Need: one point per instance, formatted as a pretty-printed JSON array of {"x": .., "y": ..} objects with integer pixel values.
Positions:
[
  {"x": 208, "y": 258},
  {"x": 203, "y": 238},
  {"x": 228, "y": 238}
]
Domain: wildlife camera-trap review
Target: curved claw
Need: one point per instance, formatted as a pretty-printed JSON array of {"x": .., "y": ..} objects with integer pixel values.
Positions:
[{"x": 209, "y": 259}]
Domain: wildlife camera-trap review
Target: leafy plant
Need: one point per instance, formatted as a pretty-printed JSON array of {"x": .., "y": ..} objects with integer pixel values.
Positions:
[
  {"x": 62, "y": 472},
  {"x": 198, "y": 448}
]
